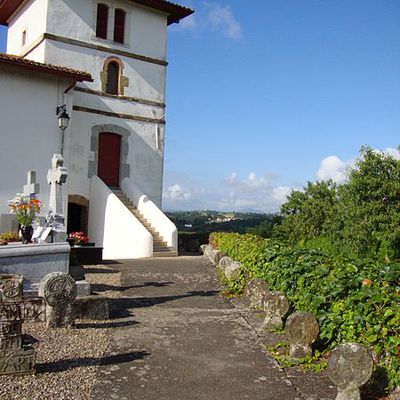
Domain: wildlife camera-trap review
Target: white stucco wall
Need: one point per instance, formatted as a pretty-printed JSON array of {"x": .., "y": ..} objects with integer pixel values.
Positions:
[
  {"x": 32, "y": 18},
  {"x": 28, "y": 129},
  {"x": 114, "y": 227},
  {"x": 145, "y": 31},
  {"x": 146, "y": 80},
  {"x": 146, "y": 162}
]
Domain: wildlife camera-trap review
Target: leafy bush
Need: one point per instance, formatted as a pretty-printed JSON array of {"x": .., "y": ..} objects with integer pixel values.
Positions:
[
  {"x": 354, "y": 300},
  {"x": 360, "y": 217}
]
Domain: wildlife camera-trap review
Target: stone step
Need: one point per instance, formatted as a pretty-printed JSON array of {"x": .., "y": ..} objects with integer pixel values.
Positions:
[
  {"x": 160, "y": 246},
  {"x": 165, "y": 254}
]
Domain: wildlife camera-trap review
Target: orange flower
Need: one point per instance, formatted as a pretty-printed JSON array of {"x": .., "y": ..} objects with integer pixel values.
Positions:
[{"x": 366, "y": 282}]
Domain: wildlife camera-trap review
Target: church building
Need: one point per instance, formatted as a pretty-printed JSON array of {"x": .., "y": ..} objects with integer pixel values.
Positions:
[{"x": 86, "y": 79}]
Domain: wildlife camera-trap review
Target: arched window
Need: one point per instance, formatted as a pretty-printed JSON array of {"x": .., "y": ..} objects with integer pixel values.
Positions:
[
  {"x": 102, "y": 19},
  {"x": 113, "y": 73},
  {"x": 119, "y": 25}
]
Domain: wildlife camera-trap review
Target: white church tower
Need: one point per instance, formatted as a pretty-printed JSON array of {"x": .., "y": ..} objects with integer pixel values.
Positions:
[{"x": 114, "y": 144}]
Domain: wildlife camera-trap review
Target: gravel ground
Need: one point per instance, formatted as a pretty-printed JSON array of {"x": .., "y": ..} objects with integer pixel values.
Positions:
[{"x": 66, "y": 359}]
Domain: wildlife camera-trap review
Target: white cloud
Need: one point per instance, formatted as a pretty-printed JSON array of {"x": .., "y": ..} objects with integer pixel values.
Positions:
[
  {"x": 334, "y": 168},
  {"x": 395, "y": 153},
  {"x": 249, "y": 184},
  {"x": 176, "y": 193},
  {"x": 188, "y": 23},
  {"x": 280, "y": 193},
  {"x": 211, "y": 16},
  {"x": 221, "y": 19}
]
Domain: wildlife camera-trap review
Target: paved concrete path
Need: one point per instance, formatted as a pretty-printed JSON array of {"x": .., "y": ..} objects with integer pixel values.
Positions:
[{"x": 176, "y": 338}]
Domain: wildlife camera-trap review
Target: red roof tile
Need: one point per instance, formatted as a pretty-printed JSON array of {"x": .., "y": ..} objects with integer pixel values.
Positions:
[
  {"x": 175, "y": 12},
  {"x": 17, "y": 61}
]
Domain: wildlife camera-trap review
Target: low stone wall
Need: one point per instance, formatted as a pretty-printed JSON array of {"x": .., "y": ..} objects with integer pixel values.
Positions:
[{"x": 34, "y": 261}]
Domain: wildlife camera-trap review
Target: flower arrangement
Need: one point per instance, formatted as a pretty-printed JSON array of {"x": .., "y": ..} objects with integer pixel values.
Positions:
[
  {"x": 9, "y": 236},
  {"x": 25, "y": 207},
  {"x": 79, "y": 237}
]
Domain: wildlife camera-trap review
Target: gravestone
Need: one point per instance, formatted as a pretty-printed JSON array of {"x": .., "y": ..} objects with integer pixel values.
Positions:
[
  {"x": 59, "y": 292},
  {"x": 56, "y": 176},
  {"x": 302, "y": 331},
  {"x": 276, "y": 307},
  {"x": 349, "y": 367},
  {"x": 31, "y": 187},
  {"x": 255, "y": 291},
  {"x": 14, "y": 358}
]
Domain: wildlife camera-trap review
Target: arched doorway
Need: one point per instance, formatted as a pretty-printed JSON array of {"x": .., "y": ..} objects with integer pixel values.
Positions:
[
  {"x": 78, "y": 213},
  {"x": 109, "y": 158}
]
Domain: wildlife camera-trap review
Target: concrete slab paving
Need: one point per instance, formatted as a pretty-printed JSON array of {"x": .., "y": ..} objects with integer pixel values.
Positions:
[{"x": 179, "y": 339}]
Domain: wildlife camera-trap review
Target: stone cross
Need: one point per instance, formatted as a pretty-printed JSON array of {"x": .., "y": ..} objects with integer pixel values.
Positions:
[
  {"x": 302, "y": 331},
  {"x": 56, "y": 176},
  {"x": 349, "y": 367},
  {"x": 59, "y": 291},
  {"x": 31, "y": 186}
]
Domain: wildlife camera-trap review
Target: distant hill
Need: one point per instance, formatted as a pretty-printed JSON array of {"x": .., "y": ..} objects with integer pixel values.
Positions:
[{"x": 217, "y": 221}]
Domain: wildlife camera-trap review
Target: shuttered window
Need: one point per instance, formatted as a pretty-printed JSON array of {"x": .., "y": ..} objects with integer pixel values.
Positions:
[
  {"x": 119, "y": 25},
  {"x": 102, "y": 19}
]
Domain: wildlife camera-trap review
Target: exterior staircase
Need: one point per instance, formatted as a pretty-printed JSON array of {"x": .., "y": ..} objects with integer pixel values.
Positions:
[{"x": 160, "y": 247}]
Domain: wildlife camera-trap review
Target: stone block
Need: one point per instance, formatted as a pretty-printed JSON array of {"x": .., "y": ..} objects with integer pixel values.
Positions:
[
  {"x": 255, "y": 291},
  {"x": 91, "y": 307},
  {"x": 20, "y": 362},
  {"x": 302, "y": 331},
  {"x": 10, "y": 288},
  {"x": 83, "y": 288},
  {"x": 276, "y": 307},
  {"x": 34, "y": 261},
  {"x": 224, "y": 262},
  {"x": 215, "y": 256},
  {"x": 233, "y": 270},
  {"x": 349, "y": 368}
]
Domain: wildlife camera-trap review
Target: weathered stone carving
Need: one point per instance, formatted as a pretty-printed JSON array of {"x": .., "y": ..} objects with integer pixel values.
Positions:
[
  {"x": 233, "y": 270},
  {"x": 302, "y": 331},
  {"x": 14, "y": 359},
  {"x": 59, "y": 291},
  {"x": 10, "y": 288},
  {"x": 215, "y": 256},
  {"x": 224, "y": 262},
  {"x": 206, "y": 249},
  {"x": 276, "y": 307},
  {"x": 255, "y": 291},
  {"x": 349, "y": 367}
]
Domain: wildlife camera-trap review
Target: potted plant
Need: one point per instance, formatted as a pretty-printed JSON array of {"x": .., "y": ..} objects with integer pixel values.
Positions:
[
  {"x": 25, "y": 207},
  {"x": 78, "y": 239},
  {"x": 8, "y": 237}
]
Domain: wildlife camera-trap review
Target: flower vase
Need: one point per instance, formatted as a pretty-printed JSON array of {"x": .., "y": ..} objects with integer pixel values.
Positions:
[{"x": 26, "y": 233}]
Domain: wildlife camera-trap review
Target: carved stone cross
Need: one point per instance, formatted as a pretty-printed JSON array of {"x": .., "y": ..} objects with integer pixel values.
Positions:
[
  {"x": 56, "y": 176},
  {"x": 31, "y": 186}
]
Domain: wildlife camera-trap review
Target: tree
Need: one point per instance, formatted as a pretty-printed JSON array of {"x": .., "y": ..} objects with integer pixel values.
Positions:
[
  {"x": 368, "y": 213},
  {"x": 308, "y": 214}
]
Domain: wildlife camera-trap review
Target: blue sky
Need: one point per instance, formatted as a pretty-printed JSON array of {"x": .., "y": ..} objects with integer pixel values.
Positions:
[{"x": 265, "y": 96}]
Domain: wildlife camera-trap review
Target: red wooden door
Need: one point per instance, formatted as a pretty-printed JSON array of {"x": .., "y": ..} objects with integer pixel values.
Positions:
[{"x": 109, "y": 158}]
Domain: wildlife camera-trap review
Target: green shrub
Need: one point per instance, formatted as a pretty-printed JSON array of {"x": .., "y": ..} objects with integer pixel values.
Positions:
[{"x": 354, "y": 300}]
